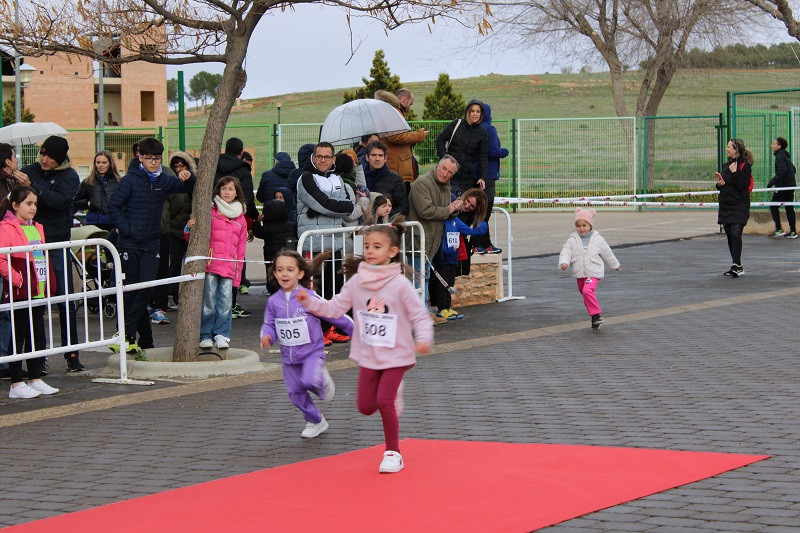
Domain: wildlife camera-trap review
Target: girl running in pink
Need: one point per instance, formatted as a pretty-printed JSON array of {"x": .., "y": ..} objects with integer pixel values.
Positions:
[
  {"x": 586, "y": 250},
  {"x": 392, "y": 324}
]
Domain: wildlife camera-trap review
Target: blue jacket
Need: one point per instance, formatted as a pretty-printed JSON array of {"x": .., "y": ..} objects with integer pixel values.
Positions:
[
  {"x": 496, "y": 153},
  {"x": 281, "y": 305},
  {"x": 456, "y": 225},
  {"x": 272, "y": 179},
  {"x": 136, "y": 204}
]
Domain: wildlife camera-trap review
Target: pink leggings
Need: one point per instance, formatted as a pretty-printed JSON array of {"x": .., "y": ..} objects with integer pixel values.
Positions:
[
  {"x": 377, "y": 390},
  {"x": 587, "y": 286}
]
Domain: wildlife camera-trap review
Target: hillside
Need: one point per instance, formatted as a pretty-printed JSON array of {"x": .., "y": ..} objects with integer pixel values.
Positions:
[{"x": 692, "y": 92}]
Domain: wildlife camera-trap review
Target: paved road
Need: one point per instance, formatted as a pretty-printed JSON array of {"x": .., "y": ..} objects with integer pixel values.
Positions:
[{"x": 687, "y": 359}]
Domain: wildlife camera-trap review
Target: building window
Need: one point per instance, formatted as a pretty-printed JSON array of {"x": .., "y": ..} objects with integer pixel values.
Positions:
[{"x": 148, "y": 106}]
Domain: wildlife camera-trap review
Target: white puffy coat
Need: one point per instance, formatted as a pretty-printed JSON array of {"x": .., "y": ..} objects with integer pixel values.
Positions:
[{"x": 588, "y": 264}]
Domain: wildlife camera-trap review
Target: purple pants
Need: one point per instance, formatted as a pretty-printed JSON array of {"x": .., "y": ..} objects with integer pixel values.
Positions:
[
  {"x": 300, "y": 379},
  {"x": 377, "y": 390},
  {"x": 587, "y": 286}
]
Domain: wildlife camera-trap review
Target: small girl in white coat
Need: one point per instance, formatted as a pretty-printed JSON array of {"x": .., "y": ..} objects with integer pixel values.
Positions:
[{"x": 586, "y": 250}]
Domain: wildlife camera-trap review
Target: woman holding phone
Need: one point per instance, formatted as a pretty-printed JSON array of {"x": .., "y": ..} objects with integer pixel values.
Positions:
[{"x": 734, "y": 185}]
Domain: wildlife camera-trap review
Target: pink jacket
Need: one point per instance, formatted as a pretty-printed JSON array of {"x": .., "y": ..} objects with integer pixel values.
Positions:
[
  {"x": 383, "y": 287},
  {"x": 228, "y": 241},
  {"x": 11, "y": 234}
]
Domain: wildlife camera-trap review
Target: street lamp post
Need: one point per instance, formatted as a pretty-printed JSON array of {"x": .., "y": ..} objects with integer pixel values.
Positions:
[
  {"x": 23, "y": 74},
  {"x": 279, "y": 112}
]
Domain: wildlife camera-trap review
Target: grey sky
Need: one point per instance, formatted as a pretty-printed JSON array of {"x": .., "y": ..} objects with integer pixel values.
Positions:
[{"x": 307, "y": 50}]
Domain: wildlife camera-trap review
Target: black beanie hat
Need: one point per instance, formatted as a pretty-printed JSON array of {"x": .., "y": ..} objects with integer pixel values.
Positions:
[{"x": 56, "y": 148}]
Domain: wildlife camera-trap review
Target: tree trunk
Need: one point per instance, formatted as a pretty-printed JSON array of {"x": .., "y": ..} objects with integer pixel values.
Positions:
[{"x": 187, "y": 333}]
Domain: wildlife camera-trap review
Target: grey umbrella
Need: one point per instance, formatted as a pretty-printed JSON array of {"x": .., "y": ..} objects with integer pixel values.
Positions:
[
  {"x": 349, "y": 122},
  {"x": 30, "y": 132}
]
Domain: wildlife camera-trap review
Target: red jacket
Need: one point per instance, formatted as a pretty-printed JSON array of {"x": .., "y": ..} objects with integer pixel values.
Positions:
[{"x": 11, "y": 234}]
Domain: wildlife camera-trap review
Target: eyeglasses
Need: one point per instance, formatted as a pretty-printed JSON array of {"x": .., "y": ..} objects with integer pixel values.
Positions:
[
  {"x": 323, "y": 157},
  {"x": 151, "y": 158}
]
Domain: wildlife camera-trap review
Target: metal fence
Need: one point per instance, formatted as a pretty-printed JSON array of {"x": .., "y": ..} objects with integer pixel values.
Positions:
[{"x": 575, "y": 156}]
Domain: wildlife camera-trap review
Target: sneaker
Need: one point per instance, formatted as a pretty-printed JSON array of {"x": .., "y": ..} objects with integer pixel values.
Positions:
[
  {"x": 444, "y": 313},
  {"x": 243, "y": 289},
  {"x": 74, "y": 363},
  {"x": 392, "y": 462},
  {"x": 158, "y": 317},
  {"x": 239, "y": 312},
  {"x": 206, "y": 343},
  {"x": 437, "y": 319},
  {"x": 312, "y": 429},
  {"x": 778, "y": 233},
  {"x": 399, "y": 402},
  {"x": 491, "y": 249},
  {"x": 792, "y": 235},
  {"x": 221, "y": 342},
  {"x": 335, "y": 336},
  {"x": 329, "y": 387},
  {"x": 326, "y": 340},
  {"x": 42, "y": 387},
  {"x": 738, "y": 270},
  {"x": 478, "y": 250},
  {"x": 732, "y": 272},
  {"x": 452, "y": 314},
  {"x": 23, "y": 391},
  {"x": 172, "y": 303},
  {"x": 596, "y": 321}
]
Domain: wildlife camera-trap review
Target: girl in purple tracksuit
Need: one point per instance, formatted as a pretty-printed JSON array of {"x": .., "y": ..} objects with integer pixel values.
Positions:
[
  {"x": 300, "y": 336},
  {"x": 393, "y": 325}
]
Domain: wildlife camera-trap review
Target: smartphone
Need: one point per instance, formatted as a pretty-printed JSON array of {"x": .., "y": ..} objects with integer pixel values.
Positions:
[{"x": 719, "y": 176}]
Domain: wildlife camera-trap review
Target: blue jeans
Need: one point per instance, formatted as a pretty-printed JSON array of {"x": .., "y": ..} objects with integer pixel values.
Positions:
[{"x": 217, "y": 300}]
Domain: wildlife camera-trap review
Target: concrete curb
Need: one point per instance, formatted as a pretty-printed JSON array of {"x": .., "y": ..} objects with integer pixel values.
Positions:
[{"x": 160, "y": 366}]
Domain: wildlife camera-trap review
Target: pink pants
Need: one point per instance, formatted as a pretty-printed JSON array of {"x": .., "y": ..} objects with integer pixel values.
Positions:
[
  {"x": 587, "y": 286},
  {"x": 377, "y": 390}
]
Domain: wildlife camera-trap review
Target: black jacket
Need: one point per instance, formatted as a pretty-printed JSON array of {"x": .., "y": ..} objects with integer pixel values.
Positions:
[
  {"x": 303, "y": 158},
  {"x": 388, "y": 183},
  {"x": 470, "y": 145},
  {"x": 275, "y": 229},
  {"x": 784, "y": 176},
  {"x": 137, "y": 205},
  {"x": 56, "y": 189},
  {"x": 734, "y": 196},
  {"x": 272, "y": 179},
  {"x": 230, "y": 165},
  {"x": 95, "y": 199}
]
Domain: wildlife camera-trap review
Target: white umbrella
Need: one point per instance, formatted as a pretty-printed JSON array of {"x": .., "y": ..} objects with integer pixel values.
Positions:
[
  {"x": 348, "y": 122},
  {"x": 30, "y": 132}
]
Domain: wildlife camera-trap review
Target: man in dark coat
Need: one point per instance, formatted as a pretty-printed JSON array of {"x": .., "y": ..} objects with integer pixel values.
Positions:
[
  {"x": 382, "y": 180},
  {"x": 274, "y": 178},
  {"x": 56, "y": 183},
  {"x": 784, "y": 177}
]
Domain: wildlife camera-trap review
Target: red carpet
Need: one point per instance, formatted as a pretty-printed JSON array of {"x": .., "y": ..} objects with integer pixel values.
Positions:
[{"x": 446, "y": 486}]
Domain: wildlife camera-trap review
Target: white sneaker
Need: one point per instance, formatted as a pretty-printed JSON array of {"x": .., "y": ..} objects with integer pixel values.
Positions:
[
  {"x": 328, "y": 385},
  {"x": 399, "y": 403},
  {"x": 221, "y": 342},
  {"x": 23, "y": 391},
  {"x": 206, "y": 343},
  {"x": 42, "y": 387},
  {"x": 392, "y": 462},
  {"x": 312, "y": 430}
]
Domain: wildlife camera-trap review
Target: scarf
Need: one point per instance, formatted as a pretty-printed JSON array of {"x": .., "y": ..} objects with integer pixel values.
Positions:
[
  {"x": 152, "y": 175},
  {"x": 231, "y": 210},
  {"x": 374, "y": 277}
]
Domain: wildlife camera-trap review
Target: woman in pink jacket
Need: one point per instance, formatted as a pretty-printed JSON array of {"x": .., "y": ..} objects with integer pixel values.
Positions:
[
  {"x": 226, "y": 249},
  {"x": 391, "y": 325}
]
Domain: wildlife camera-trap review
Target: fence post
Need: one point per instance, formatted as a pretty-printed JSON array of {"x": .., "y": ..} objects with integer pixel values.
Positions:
[
  {"x": 514, "y": 177},
  {"x": 275, "y": 139}
]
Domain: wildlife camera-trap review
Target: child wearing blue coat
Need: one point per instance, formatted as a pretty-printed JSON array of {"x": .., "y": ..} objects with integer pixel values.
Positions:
[{"x": 445, "y": 262}]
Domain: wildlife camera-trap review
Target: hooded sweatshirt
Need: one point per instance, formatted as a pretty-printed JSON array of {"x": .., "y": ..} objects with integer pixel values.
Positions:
[
  {"x": 276, "y": 177},
  {"x": 303, "y": 159},
  {"x": 394, "y": 304},
  {"x": 495, "y": 152},
  {"x": 468, "y": 144}
]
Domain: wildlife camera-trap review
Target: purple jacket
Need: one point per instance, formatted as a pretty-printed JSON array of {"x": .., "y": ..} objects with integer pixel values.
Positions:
[{"x": 281, "y": 305}]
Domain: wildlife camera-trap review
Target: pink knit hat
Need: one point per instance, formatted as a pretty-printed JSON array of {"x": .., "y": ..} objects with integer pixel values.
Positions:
[{"x": 585, "y": 214}]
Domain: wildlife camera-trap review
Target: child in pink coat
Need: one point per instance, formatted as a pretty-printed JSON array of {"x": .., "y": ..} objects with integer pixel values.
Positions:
[
  {"x": 391, "y": 325},
  {"x": 224, "y": 270}
]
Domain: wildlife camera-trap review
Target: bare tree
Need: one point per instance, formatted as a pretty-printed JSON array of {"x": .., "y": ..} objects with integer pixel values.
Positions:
[
  {"x": 181, "y": 32},
  {"x": 782, "y": 11},
  {"x": 650, "y": 33}
]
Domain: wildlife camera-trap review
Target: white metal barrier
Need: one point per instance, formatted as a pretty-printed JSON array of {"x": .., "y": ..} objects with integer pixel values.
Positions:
[
  {"x": 507, "y": 257},
  {"x": 347, "y": 240}
]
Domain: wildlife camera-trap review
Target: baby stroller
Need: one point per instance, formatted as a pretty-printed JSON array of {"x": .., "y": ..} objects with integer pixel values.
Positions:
[{"x": 99, "y": 274}]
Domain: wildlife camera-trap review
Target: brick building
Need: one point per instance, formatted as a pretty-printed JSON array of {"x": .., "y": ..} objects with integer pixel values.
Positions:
[{"x": 64, "y": 90}]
